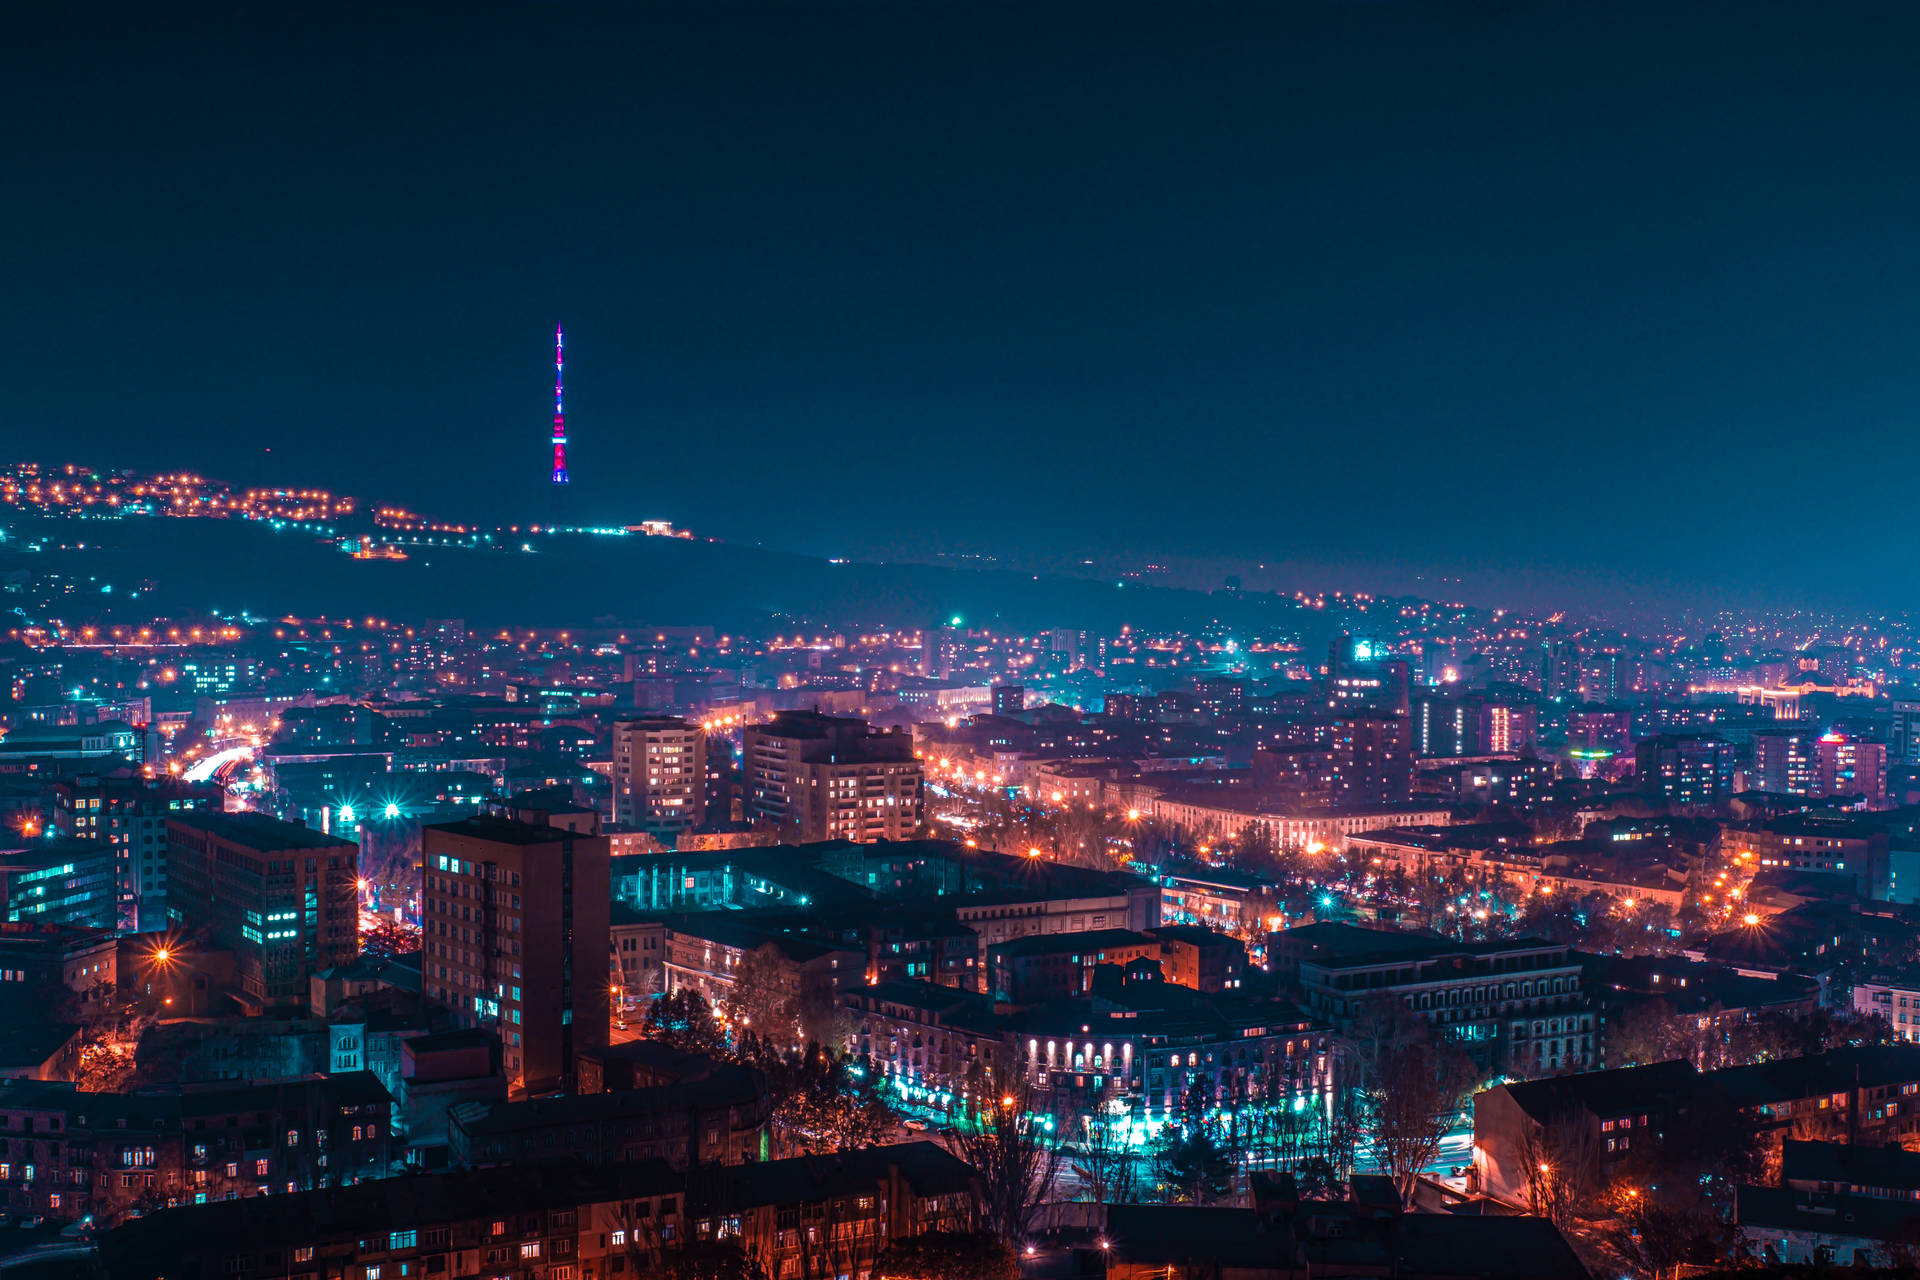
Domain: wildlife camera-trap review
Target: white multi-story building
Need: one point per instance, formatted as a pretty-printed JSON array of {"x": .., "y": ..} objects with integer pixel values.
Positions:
[{"x": 659, "y": 775}]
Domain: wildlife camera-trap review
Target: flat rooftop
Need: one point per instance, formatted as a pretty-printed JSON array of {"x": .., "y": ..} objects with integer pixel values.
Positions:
[
  {"x": 258, "y": 831},
  {"x": 499, "y": 830}
]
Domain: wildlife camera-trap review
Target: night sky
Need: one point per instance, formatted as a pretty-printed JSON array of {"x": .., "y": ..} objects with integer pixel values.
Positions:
[{"x": 1616, "y": 300}]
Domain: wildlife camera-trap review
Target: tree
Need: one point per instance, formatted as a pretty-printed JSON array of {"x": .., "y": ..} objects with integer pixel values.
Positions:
[
  {"x": 1657, "y": 1234},
  {"x": 837, "y": 1242},
  {"x": 999, "y": 1127},
  {"x": 1259, "y": 852},
  {"x": 761, "y": 999},
  {"x": 1280, "y": 1133},
  {"x": 1334, "y": 1144},
  {"x": 1673, "y": 1194},
  {"x": 1193, "y": 1165},
  {"x": 948, "y": 1255},
  {"x": 1108, "y": 1167},
  {"x": 1197, "y": 1154},
  {"x": 1828, "y": 1029},
  {"x": 823, "y": 1018},
  {"x": 1379, "y": 1023},
  {"x": 1648, "y": 1031},
  {"x": 709, "y": 1260},
  {"x": 823, "y": 1102},
  {"x": 1562, "y": 1162},
  {"x": 684, "y": 1020},
  {"x": 1414, "y": 1089}
]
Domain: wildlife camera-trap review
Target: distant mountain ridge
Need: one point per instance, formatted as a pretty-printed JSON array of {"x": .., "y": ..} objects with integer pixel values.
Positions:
[{"x": 584, "y": 580}]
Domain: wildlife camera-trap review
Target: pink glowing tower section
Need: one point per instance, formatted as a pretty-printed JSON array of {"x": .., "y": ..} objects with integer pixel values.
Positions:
[{"x": 559, "y": 409}]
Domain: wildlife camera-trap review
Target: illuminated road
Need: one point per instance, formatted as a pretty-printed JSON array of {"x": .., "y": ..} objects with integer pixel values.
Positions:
[
  {"x": 1456, "y": 1149},
  {"x": 203, "y": 770}
]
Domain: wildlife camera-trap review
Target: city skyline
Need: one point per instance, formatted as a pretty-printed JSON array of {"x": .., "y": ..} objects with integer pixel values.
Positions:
[{"x": 1139, "y": 639}]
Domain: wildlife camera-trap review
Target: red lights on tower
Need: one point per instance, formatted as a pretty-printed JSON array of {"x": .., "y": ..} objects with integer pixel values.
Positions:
[{"x": 559, "y": 410}]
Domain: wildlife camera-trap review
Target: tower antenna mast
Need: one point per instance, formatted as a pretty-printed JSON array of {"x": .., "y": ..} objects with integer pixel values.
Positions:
[{"x": 559, "y": 409}]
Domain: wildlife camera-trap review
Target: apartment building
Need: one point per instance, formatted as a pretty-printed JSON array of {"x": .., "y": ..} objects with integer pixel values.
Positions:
[
  {"x": 516, "y": 938},
  {"x": 817, "y": 777},
  {"x": 283, "y": 897},
  {"x": 1517, "y": 1005},
  {"x": 812, "y": 1216},
  {"x": 659, "y": 775}
]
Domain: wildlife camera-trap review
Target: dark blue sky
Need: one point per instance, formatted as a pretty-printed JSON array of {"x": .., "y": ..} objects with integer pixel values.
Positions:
[{"x": 1609, "y": 298}]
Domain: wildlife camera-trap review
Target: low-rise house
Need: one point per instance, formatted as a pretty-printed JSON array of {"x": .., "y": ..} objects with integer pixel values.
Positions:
[
  {"x": 718, "y": 1119},
  {"x": 809, "y": 1216},
  {"x": 1884, "y": 1173},
  {"x": 1606, "y": 1112},
  {"x": 1893, "y": 995},
  {"x": 67, "y": 1155},
  {"x": 1787, "y": 1226},
  {"x": 1869, "y": 1095},
  {"x": 1283, "y": 1237},
  {"x": 439, "y": 1072}
]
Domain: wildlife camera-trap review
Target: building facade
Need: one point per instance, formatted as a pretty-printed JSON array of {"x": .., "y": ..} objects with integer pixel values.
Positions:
[
  {"x": 68, "y": 1155},
  {"x": 61, "y": 881},
  {"x": 1516, "y": 1006},
  {"x": 283, "y": 897},
  {"x": 809, "y": 1217},
  {"x": 131, "y": 815},
  {"x": 659, "y": 775},
  {"x": 1372, "y": 759},
  {"x": 1895, "y": 997},
  {"x": 815, "y": 777},
  {"x": 1685, "y": 769},
  {"x": 515, "y": 939},
  {"x": 717, "y": 1120},
  {"x": 1157, "y": 1053}
]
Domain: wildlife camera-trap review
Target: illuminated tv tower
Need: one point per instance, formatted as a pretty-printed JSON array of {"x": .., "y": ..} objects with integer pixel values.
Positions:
[{"x": 559, "y": 409}]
